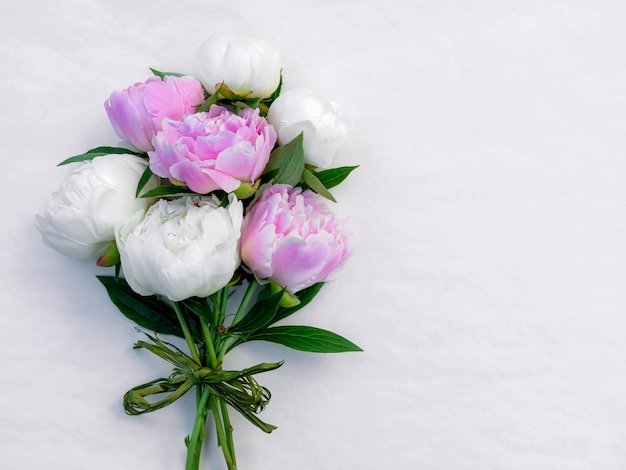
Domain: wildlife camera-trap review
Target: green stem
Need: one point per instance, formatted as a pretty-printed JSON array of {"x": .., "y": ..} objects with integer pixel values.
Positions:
[
  {"x": 229, "y": 432},
  {"x": 194, "y": 446},
  {"x": 190, "y": 342},
  {"x": 208, "y": 339},
  {"x": 242, "y": 308},
  {"x": 246, "y": 299},
  {"x": 221, "y": 434},
  {"x": 223, "y": 304}
]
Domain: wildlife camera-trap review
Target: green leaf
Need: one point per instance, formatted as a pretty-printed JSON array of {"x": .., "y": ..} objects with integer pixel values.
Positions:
[
  {"x": 332, "y": 177},
  {"x": 251, "y": 102},
  {"x": 259, "y": 316},
  {"x": 287, "y": 162},
  {"x": 316, "y": 185},
  {"x": 305, "y": 296},
  {"x": 148, "y": 312},
  {"x": 162, "y": 75},
  {"x": 168, "y": 191},
  {"x": 99, "y": 152},
  {"x": 210, "y": 101},
  {"x": 199, "y": 306},
  {"x": 306, "y": 338},
  {"x": 145, "y": 177}
]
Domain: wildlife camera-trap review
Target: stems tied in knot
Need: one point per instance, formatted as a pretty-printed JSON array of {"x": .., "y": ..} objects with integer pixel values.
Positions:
[{"x": 237, "y": 388}]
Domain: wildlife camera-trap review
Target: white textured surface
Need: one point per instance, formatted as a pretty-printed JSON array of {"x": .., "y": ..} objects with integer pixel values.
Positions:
[{"x": 487, "y": 288}]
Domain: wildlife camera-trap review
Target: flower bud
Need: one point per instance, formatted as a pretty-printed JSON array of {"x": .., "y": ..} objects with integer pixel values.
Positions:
[
  {"x": 247, "y": 66},
  {"x": 325, "y": 131}
]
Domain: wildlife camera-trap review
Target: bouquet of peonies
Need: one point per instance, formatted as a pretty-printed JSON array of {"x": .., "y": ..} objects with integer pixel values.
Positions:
[{"x": 220, "y": 198}]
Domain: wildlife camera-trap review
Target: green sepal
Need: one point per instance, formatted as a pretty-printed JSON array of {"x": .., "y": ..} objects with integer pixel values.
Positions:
[
  {"x": 305, "y": 296},
  {"x": 230, "y": 95},
  {"x": 316, "y": 185},
  {"x": 162, "y": 75},
  {"x": 286, "y": 163},
  {"x": 267, "y": 102},
  {"x": 288, "y": 299},
  {"x": 306, "y": 338},
  {"x": 100, "y": 152},
  {"x": 246, "y": 190},
  {"x": 110, "y": 257}
]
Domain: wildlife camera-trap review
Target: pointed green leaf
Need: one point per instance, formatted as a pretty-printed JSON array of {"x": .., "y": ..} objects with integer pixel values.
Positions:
[
  {"x": 210, "y": 101},
  {"x": 199, "y": 306},
  {"x": 168, "y": 191},
  {"x": 99, "y": 152},
  {"x": 162, "y": 75},
  {"x": 287, "y": 162},
  {"x": 334, "y": 176},
  {"x": 316, "y": 185},
  {"x": 145, "y": 177},
  {"x": 147, "y": 312},
  {"x": 306, "y": 338}
]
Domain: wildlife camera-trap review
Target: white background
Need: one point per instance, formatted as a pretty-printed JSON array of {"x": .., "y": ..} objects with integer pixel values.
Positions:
[{"x": 487, "y": 284}]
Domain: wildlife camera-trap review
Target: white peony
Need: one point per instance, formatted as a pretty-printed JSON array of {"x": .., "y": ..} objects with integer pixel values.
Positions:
[
  {"x": 182, "y": 248},
  {"x": 243, "y": 63},
  {"x": 325, "y": 131},
  {"x": 79, "y": 219}
]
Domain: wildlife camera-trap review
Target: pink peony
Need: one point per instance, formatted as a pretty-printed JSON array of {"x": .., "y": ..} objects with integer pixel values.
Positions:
[
  {"x": 290, "y": 237},
  {"x": 137, "y": 112},
  {"x": 214, "y": 150}
]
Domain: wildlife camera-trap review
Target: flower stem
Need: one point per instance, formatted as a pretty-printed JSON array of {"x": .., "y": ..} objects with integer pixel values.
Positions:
[
  {"x": 246, "y": 298},
  {"x": 229, "y": 432},
  {"x": 224, "y": 440},
  {"x": 208, "y": 339},
  {"x": 194, "y": 446},
  {"x": 242, "y": 308},
  {"x": 190, "y": 342}
]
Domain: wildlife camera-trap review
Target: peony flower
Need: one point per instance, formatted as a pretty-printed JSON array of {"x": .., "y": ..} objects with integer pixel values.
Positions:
[
  {"x": 243, "y": 64},
  {"x": 214, "y": 150},
  {"x": 79, "y": 219},
  {"x": 325, "y": 130},
  {"x": 182, "y": 248},
  {"x": 136, "y": 113},
  {"x": 292, "y": 238}
]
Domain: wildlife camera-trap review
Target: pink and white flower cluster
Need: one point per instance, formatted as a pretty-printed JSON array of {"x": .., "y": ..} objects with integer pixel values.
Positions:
[{"x": 187, "y": 246}]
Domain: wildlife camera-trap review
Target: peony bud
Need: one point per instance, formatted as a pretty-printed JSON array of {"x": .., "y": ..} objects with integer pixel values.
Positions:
[
  {"x": 325, "y": 130},
  {"x": 247, "y": 66},
  {"x": 182, "y": 248},
  {"x": 291, "y": 238},
  {"x": 79, "y": 219},
  {"x": 136, "y": 113}
]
